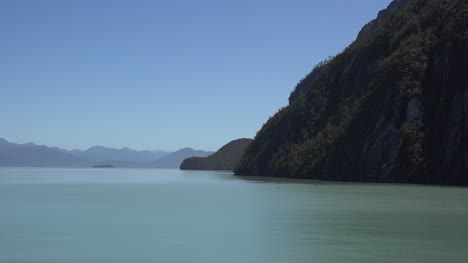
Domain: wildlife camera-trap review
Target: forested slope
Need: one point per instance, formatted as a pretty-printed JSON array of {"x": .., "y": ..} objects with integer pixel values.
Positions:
[{"x": 392, "y": 107}]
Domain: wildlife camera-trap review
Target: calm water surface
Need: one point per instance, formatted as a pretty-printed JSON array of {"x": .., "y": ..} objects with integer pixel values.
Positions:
[{"x": 156, "y": 215}]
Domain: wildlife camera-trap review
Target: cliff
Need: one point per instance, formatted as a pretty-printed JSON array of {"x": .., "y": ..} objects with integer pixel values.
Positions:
[
  {"x": 224, "y": 159},
  {"x": 392, "y": 107}
]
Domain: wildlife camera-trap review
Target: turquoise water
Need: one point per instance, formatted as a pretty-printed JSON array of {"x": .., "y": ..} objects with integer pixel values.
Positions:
[{"x": 157, "y": 215}]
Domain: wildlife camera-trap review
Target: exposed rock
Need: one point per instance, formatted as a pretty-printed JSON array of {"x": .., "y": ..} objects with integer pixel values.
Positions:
[{"x": 414, "y": 109}]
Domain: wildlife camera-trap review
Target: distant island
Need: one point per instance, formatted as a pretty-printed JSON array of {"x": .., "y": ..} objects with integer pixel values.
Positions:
[
  {"x": 225, "y": 158},
  {"x": 103, "y": 166}
]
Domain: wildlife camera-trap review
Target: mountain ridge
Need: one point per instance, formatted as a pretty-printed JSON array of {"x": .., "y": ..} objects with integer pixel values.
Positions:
[
  {"x": 101, "y": 154},
  {"x": 224, "y": 159},
  {"x": 32, "y": 155},
  {"x": 174, "y": 159}
]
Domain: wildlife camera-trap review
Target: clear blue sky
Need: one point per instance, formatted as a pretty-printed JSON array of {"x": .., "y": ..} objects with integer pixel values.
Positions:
[{"x": 160, "y": 74}]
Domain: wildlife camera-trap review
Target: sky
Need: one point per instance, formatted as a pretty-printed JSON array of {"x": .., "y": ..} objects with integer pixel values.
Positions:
[{"x": 160, "y": 74}]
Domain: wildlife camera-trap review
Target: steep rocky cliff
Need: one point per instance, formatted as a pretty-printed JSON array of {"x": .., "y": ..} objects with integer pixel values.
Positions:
[
  {"x": 224, "y": 159},
  {"x": 392, "y": 107}
]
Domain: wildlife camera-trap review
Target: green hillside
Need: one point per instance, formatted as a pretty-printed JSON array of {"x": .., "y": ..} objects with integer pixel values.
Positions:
[
  {"x": 224, "y": 159},
  {"x": 392, "y": 107}
]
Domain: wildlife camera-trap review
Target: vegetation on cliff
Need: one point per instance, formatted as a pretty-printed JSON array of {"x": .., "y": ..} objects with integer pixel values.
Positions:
[
  {"x": 224, "y": 159},
  {"x": 392, "y": 107}
]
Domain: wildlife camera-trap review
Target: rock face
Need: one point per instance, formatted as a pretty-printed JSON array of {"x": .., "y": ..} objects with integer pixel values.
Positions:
[
  {"x": 224, "y": 159},
  {"x": 392, "y": 107}
]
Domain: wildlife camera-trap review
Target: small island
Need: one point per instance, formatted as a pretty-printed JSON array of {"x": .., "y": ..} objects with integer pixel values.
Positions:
[{"x": 103, "y": 166}]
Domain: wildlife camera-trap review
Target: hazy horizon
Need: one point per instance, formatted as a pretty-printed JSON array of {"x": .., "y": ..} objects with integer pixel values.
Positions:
[
  {"x": 121, "y": 148},
  {"x": 160, "y": 75}
]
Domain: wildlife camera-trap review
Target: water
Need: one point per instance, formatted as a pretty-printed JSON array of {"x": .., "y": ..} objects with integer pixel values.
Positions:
[{"x": 151, "y": 215}]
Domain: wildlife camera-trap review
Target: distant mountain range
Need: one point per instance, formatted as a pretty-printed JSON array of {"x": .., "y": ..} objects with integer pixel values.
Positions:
[
  {"x": 103, "y": 154},
  {"x": 32, "y": 155},
  {"x": 226, "y": 158},
  {"x": 174, "y": 160}
]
